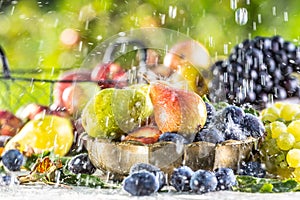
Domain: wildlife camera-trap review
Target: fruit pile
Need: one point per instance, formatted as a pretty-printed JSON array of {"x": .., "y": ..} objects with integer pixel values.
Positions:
[
  {"x": 257, "y": 71},
  {"x": 281, "y": 148},
  {"x": 114, "y": 109}
]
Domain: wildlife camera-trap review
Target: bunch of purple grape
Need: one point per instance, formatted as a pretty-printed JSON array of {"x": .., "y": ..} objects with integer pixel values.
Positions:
[{"x": 257, "y": 71}]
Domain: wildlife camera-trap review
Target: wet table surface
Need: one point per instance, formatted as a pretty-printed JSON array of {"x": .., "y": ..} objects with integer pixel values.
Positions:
[{"x": 80, "y": 193}]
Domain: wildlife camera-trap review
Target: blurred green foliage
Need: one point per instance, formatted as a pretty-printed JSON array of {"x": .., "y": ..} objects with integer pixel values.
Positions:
[{"x": 30, "y": 30}]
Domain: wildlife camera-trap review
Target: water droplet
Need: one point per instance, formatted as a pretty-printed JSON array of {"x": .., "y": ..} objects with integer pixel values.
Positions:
[
  {"x": 233, "y": 4},
  {"x": 225, "y": 49},
  {"x": 99, "y": 37},
  {"x": 172, "y": 12},
  {"x": 274, "y": 11},
  {"x": 285, "y": 16},
  {"x": 259, "y": 18},
  {"x": 122, "y": 34},
  {"x": 162, "y": 18},
  {"x": 211, "y": 41},
  {"x": 241, "y": 16},
  {"x": 254, "y": 26}
]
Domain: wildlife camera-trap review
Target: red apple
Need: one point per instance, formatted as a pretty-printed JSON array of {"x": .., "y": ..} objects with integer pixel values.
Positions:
[
  {"x": 109, "y": 75},
  {"x": 75, "y": 96},
  {"x": 29, "y": 111},
  {"x": 66, "y": 80},
  {"x": 9, "y": 123},
  {"x": 144, "y": 134},
  {"x": 187, "y": 52}
]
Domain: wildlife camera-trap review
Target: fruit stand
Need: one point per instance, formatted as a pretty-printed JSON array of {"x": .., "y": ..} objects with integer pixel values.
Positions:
[{"x": 150, "y": 110}]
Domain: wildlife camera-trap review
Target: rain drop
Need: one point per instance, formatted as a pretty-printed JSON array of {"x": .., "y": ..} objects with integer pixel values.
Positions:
[
  {"x": 233, "y": 4},
  {"x": 285, "y": 16},
  {"x": 259, "y": 18},
  {"x": 163, "y": 18},
  {"x": 241, "y": 16},
  {"x": 254, "y": 26},
  {"x": 172, "y": 12},
  {"x": 225, "y": 49},
  {"x": 274, "y": 11}
]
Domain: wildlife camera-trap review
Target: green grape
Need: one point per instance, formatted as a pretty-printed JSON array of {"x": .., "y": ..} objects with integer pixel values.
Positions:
[
  {"x": 296, "y": 174},
  {"x": 285, "y": 141},
  {"x": 270, "y": 148},
  {"x": 277, "y": 128},
  {"x": 297, "y": 116},
  {"x": 294, "y": 128},
  {"x": 278, "y": 105},
  {"x": 272, "y": 111},
  {"x": 269, "y": 118},
  {"x": 296, "y": 145},
  {"x": 293, "y": 158},
  {"x": 288, "y": 111}
]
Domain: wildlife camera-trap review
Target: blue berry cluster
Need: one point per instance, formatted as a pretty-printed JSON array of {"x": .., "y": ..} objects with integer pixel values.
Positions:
[
  {"x": 12, "y": 159},
  {"x": 144, "y": 180},
  {"x": 229, "y": 123},
  {"x": 202, "y": 181},
  {"x": 252, "y": 168},
  {"x": 255, "y": 69},
  {"x": 81, "y": 164}
]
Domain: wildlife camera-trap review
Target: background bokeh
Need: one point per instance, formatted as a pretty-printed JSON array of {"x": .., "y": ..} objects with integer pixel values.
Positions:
[{"x": 31, "y": 31}]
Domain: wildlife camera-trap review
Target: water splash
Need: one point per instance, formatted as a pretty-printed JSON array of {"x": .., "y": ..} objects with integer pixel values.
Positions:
[{"x": 241, "y": 16}]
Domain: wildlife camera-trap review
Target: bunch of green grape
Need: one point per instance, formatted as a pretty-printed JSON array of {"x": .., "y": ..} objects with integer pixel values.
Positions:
[{"x": 280, "y": 149}]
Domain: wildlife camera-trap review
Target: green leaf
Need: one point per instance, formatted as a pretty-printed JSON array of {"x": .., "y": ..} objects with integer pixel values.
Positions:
[
  {"x": 82, "y": 180},
  {"x": 265, "y": 185}
]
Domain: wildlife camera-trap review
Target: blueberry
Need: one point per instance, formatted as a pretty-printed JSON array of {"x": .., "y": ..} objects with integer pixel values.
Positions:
[
  {"x": 180, "y": 178},
  {"x": 141, "y": 183},
  {"x": 226, "y": 178},
  {"x": 203, "y": 181},
  {"x": 234, "y": 132},
  {"x": 211, "y": 135},
  {"x": 233, "y": 113},
  {"x": 159, "y": 175},
  {"x": 173, "y": 137},
  {"x": 211, "y": 112},
  {"x": 12, "y": 160},
  {"x": 255, "y": 169},
  {"x": 81, "y": 164},
  {"x": 253, "y": 126}
]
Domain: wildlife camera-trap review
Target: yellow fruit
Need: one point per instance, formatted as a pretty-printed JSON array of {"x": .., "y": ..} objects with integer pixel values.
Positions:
[
  {"x": 293, "y": 158},
  {"x": 51, "y": 133},
  {"x": 288, "y": 111},
  {"x": 296, "y": 174},
  {"x": 294, "y": 128},
  {"x": 277, "y": 128}
]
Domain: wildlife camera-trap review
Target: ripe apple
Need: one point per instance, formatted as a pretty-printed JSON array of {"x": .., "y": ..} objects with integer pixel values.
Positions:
[
  {"x": 109, "y": 75},
  {"x": 188, "y": 59},
  {"x": 34, "y": 111},
  {"x": 75, "y": 96},
  {"x": 144, "y": 134},
  {"x": 9, "y": 123},
  {"x": 68, "y": 79},
  {"x": 177, "y": 110}
]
